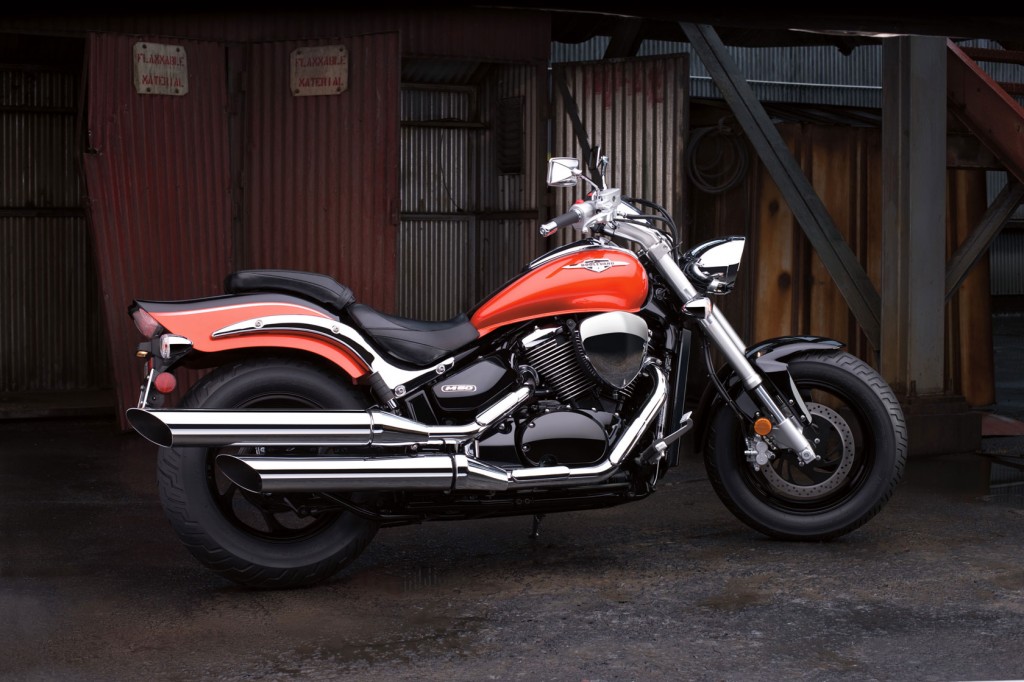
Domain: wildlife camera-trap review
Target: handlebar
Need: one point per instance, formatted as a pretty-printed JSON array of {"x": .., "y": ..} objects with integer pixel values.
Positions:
[{"x": 577, "y": 214}]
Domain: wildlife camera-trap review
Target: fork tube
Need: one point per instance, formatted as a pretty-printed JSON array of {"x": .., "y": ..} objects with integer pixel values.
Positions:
[{"x": 717, "y": 327}]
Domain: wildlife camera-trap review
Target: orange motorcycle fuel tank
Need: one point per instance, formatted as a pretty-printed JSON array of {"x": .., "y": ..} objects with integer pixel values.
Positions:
[{"x": 584, "y": 277}]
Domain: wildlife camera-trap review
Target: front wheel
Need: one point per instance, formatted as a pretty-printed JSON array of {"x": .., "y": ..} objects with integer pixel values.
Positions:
[
  {"x": 260, "y": 540},
  {"x": 857, "y": 429}
]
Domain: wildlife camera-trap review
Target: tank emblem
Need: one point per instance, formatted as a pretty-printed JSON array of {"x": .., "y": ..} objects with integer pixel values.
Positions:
[
  {"x": 458, "y": 388},
  {"x": 595, "y": 264}
]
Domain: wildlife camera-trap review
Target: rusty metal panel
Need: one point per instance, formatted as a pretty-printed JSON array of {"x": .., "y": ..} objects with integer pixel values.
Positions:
[
  {"x": 636, "y": 110},
  {"x": 323, "y": 171},
  {"x": 156, "y": 168}
]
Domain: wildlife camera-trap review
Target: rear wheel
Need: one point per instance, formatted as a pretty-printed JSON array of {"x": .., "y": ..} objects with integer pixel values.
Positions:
[
  {"x": 857, "y": 430},
  {"x": 259, "y": 540}
]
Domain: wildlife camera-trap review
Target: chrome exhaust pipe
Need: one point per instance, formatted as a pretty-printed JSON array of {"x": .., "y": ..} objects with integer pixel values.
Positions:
[
  {"x": 435, "y": 472},
  {"x": 351, "y": 474},
  {"x": 326, "y": 428}
]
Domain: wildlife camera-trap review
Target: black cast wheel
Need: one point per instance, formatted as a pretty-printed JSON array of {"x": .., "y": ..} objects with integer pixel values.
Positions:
[
  {"x": 257, "y": 540},
  {"x": 857, "y": 430}
]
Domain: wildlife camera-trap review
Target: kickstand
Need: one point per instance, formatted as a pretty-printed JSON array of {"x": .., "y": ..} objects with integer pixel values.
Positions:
[{"x": 537, "y": 518}]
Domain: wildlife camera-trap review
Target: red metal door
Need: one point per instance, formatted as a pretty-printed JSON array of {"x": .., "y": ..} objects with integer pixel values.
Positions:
[
  {"x": 316, "y": 186},
  {"x": 157, "y": 173},
  {"x": 322, "y": 187}
]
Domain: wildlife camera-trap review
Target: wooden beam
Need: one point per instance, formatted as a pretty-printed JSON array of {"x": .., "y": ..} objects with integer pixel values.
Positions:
[
  {"x": 966, "y": 151},
  {"x": 808, "y": 209},
  {"x": 986, "y": 109},
  {"x": 626, "y": 40},
  {"x": 573, "y": 111},
  {"x": 983, "y": 235}
]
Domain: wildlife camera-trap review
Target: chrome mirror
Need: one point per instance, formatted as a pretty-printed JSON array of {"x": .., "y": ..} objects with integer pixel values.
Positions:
[{"x": 563, "y": 171}]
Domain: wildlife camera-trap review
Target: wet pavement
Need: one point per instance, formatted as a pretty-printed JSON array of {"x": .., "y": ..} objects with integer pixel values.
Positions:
[{"x": 94, "y": 585}]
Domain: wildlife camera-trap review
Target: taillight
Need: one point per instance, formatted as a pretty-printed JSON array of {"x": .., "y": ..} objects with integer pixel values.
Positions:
[{"x": 145, "y": 323}]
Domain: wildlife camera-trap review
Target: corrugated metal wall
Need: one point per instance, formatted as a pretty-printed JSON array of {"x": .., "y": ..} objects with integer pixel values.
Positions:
[
  {"x": 813, "y": 74},
  {"x": 440, "y": 140},
  {"x": 466, "y": 227},
  {"x": 51, "y": 327},
  {"x": 637, "y": 110},
  {"x": 317, "y": 195},
  {"x": 1007, "y": 257},
  {"x": 159, "y": 188},
  {"x": 511, "y": 202},
  {"x": 323, "y": 170}
]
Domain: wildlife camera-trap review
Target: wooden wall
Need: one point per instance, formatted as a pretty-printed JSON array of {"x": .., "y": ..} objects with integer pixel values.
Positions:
[{"x": 785, "y": 289}]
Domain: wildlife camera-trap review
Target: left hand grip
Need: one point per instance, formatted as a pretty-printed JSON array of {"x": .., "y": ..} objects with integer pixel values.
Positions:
[{"x": 573, "y": 215}]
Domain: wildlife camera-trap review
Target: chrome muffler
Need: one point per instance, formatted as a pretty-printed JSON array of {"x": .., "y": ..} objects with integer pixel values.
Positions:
[
  {"x": 305, "y": 428},
  {"x": 437, "y": 472}
]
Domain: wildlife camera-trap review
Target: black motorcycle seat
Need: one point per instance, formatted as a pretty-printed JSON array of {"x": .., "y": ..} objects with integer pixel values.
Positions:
[
  {"x": 312, "y": 286},
  {"x": 413, "y": 341}
]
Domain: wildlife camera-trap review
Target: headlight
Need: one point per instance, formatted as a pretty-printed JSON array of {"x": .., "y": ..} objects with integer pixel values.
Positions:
[{"x": 712, "y": 266}]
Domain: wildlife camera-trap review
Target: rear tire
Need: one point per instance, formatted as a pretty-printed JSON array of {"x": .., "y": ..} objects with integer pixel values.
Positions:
[
  {"x": 861, "y": 439},
  {"x": 259, "y": 541}
]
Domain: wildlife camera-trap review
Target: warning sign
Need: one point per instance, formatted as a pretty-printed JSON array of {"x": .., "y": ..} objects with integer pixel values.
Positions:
[
  {"x": 160, "y": 69},
  {"x": 321, "y": 70}
]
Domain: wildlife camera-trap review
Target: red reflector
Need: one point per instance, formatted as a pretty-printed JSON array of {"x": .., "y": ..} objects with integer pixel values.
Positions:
[{"x": 165, "y": 382}]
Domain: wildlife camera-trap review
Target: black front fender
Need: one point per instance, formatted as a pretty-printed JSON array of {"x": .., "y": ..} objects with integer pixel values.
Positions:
[{"x": 771, "y": 359}]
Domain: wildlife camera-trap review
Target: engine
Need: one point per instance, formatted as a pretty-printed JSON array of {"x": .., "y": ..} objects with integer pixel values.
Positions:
[
  {"x": 606, "y": 349},
  {"x": 586, "y": 372}
]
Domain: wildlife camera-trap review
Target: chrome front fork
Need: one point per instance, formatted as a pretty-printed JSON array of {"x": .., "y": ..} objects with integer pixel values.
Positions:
[{"x": 786, "y": 429}]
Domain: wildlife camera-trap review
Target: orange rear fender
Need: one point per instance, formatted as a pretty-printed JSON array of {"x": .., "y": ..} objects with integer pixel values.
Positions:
[{"x": 261, "y": 321}]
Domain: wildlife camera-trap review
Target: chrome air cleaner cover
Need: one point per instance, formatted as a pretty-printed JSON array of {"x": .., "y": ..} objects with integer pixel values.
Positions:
[{"x": 615, "y": 345}]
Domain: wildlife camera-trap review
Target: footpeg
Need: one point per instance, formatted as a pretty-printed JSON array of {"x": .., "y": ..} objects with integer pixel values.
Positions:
[{"x": 657, "y": 449}]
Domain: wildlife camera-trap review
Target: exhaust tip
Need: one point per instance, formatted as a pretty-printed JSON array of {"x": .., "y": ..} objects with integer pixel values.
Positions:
[
  {"x": 240, "y": 473},
  {"x": 150, "y": 427}
]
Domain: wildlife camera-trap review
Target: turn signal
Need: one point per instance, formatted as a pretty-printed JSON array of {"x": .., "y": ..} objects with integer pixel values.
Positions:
[{"x": 762, "y": 426}]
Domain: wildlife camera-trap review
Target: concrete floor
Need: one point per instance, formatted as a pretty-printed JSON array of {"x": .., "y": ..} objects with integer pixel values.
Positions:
[{"x": 94, "y": 585}]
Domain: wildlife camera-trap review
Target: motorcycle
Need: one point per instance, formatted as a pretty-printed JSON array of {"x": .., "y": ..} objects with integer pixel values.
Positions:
[{"x": 323, "y": 420}]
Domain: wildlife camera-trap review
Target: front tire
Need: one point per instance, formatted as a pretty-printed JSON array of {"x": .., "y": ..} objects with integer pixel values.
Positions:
[
  {"x": 859, "y": 432},
  {"x": 260, "y": 541}
]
